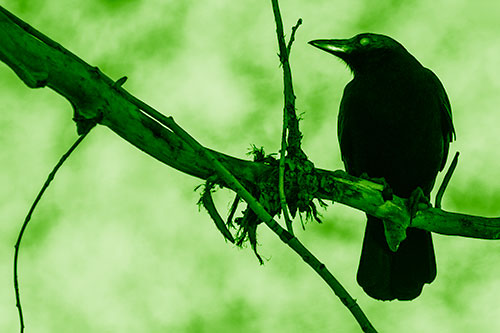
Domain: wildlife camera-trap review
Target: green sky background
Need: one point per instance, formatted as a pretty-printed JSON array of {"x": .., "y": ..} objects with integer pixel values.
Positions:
[{"x": 118, "y": 244}]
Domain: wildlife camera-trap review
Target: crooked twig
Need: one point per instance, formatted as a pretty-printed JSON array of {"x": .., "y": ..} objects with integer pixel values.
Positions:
[
  {"x": 29, "y": 57},
  {"x": 292, "y": 36},
  {"x": 284, "y": 59},
  {"x": 28, "y": 218},
  {"x": 446, "y": 180},
  {"x": 284, "y": 235},
  {"x": 294, "y": 135},
  {"x": 281, "y": 179},
  {"x": 290, "y": 124},
  {"x": 208, "y": 203}
]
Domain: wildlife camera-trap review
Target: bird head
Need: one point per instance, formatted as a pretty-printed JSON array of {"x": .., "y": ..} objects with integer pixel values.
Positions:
[{"x": 366, "y": 51}]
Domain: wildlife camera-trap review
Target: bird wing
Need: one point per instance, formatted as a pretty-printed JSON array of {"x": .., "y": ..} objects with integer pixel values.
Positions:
[
  {"x": 446, "y": 117},
  {"x": 447, "y": 129},
  {"x": 341, "y": 126}
]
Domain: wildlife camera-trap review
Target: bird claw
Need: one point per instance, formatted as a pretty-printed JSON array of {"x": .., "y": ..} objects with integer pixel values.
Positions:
[
  {"x": 417, "y": 201},
  {"x": 386, "y": 191}
]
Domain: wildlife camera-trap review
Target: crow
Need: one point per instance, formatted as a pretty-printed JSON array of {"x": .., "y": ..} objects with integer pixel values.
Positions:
[{"x": 394, "y": 123}]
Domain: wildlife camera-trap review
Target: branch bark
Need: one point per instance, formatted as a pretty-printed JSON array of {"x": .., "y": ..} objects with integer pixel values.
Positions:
[
  {"x": 40, "y": 62},
  {"x": 367, "y": 196}
]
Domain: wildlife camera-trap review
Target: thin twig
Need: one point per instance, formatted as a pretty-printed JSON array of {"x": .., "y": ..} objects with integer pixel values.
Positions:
[
  {"x": 294, "y": 135},
  {"x": 290, "y": 123},
  {"x": 347, "y": 192},
  {"x": 288, "y": 110},
  {"x": 284, "y": 235},
  {"x": 160, "y": 143},
  {"x": 28, "y": 218},
  {"x": 446, "y": 180},
  {"x": 284, "y": 132},
  {"x": 234, "y": 206},
  {"x": 209, "y": 205},
  {"x": 292, "y": 36},
  {"x": 281, "y": 179}
]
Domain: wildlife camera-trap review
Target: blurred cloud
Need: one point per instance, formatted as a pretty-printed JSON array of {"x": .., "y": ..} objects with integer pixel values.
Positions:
[{"x": 118, "y": 243}]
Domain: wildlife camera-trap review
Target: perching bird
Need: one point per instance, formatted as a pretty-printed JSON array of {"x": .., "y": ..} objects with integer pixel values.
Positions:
[{"x": 394, "y": 122}]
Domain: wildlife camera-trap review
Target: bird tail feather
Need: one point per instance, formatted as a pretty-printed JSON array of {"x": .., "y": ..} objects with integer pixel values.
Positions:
[{"x": 387, "y": 275}]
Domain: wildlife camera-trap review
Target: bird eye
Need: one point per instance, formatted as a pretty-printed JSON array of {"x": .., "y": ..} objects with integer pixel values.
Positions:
[{"x": 364, "y": 41}]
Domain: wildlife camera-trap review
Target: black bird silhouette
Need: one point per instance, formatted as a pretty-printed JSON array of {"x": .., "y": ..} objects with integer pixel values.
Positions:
[{"x": 394, "y": 122}]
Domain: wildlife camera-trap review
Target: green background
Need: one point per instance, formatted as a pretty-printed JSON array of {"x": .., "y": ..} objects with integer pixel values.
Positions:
[{"x": 118, "y": 244}]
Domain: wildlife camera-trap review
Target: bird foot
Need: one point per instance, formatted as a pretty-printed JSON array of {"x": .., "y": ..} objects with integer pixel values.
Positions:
[
  {"x": 417, "y": 201},
  {"x": 386, "y": 191}
]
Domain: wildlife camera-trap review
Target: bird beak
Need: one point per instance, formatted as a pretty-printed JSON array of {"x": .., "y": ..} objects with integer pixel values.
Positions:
[{"x": 338, "y": 47}]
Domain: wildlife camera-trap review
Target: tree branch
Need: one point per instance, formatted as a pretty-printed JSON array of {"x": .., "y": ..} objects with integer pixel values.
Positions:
[
  {"x": 289, "y": 118},
  {"x": 38, "y": 61},
  {"x": 93, "y": 94},
  {"x": 367, "y": 196},
  {"x": 287, "y": 238},
  {"x": 292, "y": 143},
  {"x": 40, "y": 64}
]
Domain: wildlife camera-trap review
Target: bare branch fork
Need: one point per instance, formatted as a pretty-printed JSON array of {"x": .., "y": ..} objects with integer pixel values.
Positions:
[
  {"x": 299, "y": 159},
  {"x": 39, "y": 61}
]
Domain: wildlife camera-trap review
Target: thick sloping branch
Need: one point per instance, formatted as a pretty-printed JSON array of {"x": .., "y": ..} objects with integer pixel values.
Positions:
[
  {"x": 367, "y": 196},
  {"x": 92, "y": 94},
  {"x": 39, "y": 62}
]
